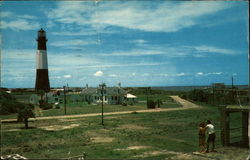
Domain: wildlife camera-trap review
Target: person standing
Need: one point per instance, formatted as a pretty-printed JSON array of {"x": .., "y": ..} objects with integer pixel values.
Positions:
[
  {"x": 202, "y": 137},
  {"x": 211, "y": 136}
]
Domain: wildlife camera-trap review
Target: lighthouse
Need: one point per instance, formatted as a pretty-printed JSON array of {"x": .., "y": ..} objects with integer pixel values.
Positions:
[{"x": 42, "y": 74}]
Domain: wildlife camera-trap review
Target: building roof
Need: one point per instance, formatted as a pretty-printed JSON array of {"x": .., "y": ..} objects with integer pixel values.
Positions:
[
  {"x": 130, "y": 96},
  {"x": 89, "y": 90},
  {"x": 109, "y": 91}
]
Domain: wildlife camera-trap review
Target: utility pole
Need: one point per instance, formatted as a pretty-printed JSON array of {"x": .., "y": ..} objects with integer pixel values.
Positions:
[
  {"x": 64, "y": 99},
  {"x": 248, "y": 76},
  {"x": 102, "y": 91},
  {"x": 233, "y": 88},
  {"x": 0, "y": 67}
]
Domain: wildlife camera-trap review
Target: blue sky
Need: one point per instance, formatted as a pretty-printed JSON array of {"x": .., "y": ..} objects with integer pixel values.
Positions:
[{"x": 137, "y": 43}]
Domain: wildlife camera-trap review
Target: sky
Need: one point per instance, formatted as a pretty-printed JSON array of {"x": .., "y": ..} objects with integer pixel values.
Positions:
[{"x": 136, "y": 43}]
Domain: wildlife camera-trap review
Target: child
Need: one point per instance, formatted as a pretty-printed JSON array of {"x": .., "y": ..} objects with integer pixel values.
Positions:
[{"x": 202, "y": 136}]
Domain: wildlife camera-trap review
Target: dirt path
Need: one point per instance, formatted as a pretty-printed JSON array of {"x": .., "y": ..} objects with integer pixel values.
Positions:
[
  {"x": 184, "y": 102},
  {"x": 185, "y": 105}
]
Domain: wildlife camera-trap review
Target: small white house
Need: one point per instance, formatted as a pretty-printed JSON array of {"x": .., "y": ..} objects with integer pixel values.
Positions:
[{"x": 111, "y": 95}]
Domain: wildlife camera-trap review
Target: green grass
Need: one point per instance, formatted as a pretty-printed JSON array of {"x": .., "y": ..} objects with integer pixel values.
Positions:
[{"x": 173, "y": 131}]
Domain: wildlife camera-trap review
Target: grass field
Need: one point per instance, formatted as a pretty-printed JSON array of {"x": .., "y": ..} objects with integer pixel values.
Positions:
[{"x": 142, "y": 135}]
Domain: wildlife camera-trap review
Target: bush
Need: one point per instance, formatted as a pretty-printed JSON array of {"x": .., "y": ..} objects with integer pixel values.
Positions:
[
  {"x": 8, "y": 103},
  {"x": 44, "y": 105},
  {"x": 151, "y": 104}
]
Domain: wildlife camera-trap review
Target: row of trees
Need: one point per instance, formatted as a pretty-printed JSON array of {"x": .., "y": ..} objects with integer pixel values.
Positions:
[{"x": 9, "y": 104}]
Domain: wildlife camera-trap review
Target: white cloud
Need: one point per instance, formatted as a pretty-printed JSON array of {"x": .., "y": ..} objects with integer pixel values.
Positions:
[
  {"x": 135, "y": 52},
  {"x": 180, "y": 74},
  {"x": 98, "y": 74},
  {"x": 172, "y": 51},
  {"x": 163, "y": 17},
  {"x": 133, "y": 74},
  {"x": 82, "y": 32},
  {"x": 19, "y": 24},
  {"x": 138, "y": 41},
  {"x": 163, "y": 75},
  {"x": 145, "y": 74},
  {"x": 200, "y": 73},
  {"x": 113, "y": 75},
  {"x": 212, "y": 49},
  {"x": 214, "y": 73},
  {"x": 67, "y": 76},
  {"x": 6, "y": 14},
  {"x": 76, "y": 42}
]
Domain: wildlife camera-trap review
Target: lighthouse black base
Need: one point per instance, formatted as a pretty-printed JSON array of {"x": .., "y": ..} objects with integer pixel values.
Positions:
[{"x": 42, "y": 80}]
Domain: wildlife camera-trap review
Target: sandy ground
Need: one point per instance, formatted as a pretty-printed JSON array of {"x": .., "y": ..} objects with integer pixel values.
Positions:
[{"x": 185, "y": 105}]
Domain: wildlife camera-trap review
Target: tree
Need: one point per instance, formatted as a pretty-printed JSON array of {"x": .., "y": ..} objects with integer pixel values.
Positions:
[
  {"x": 151, "y": 104},
  {"x": 8, "y": 103},
  {"x": 41, "y": 93},
  {"x": 25, "y": 112}
]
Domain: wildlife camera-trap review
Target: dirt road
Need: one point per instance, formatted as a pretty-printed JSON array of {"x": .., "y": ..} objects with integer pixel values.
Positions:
[
  {"x": 184, "y": 102},
  {"x": 185, "y": 105}
]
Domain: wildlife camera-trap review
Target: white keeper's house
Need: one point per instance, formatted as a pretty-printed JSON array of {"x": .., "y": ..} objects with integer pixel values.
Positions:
[{"x": 111, "y": 95}]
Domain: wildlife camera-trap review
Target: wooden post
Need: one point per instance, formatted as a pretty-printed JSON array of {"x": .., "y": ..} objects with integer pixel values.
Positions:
[
  {"x": 224, "y": 126},
  {"x": 64, "y": 100},
  {"x": 245, "y": 118},
  {"x": 227, "y": 128}
]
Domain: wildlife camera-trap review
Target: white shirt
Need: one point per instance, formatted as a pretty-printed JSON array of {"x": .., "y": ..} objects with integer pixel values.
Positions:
[{"x": 210, "y": 128}]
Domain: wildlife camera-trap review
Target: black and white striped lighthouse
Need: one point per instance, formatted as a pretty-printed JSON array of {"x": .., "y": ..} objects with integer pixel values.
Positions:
[{"x": 42, "y": 74}]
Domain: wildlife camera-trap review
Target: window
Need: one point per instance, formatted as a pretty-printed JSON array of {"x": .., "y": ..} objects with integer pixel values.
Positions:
[
  {"x": 105, "y": 98},
  {"x": 112, "y": 98},
  {"x": 115, "y": 97}
]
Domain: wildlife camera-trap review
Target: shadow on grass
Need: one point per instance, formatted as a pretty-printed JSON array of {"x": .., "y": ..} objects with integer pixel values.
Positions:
[{"x": 28, "y": 128}]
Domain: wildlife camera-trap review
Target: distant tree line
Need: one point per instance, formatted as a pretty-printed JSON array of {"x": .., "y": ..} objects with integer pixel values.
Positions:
[{"x": 151, "y": 91}]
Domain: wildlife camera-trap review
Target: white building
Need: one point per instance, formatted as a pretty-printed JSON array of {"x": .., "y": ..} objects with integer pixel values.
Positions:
[{"x": 111, "y": 95}]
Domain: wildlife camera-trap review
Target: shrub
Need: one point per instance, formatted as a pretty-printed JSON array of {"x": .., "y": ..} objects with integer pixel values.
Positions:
[
  {"x": 8, "y": 103},
  {"x": 151, "y": 104},
  {"x": 25, "y": 112},
  {"x": 44, "y": 105}
]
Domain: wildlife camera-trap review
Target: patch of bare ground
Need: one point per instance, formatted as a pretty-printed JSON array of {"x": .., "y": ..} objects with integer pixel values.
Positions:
[
  {"x": 132, "y": 148},
  {"x": 176, "y": 155},
  {"x": 112, "y": 117},
  {"x": 154, "y": 153},
  {"x": 12, "y": 130},
  {"x": 67, "y": 120},
  {"x": 101, "y": 139},
  {"x": 97, "y": 132},
  {"x": 59, "y": 127},
  {"x": 188, "y": 157},
  {"x": 132, "y": 126}
]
